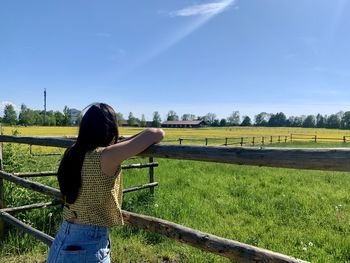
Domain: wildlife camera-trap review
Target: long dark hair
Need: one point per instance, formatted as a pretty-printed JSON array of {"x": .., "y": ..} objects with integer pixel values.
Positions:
[{"x": 98, "y": 128}]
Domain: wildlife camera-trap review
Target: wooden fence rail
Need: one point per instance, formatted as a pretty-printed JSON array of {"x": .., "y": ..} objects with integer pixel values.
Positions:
[
  {"x": 26, "y": 228},
  {"x": 224, "y": 247},
  {"x": 30, "y": 207},
  {"x": 52, "y": 173},
  {"x": 332, "y": 159},
  {"x": 50, "y": 191}
]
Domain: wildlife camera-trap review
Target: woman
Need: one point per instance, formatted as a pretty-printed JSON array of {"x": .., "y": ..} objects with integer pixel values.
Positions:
[{"x": 90, "y": 182}]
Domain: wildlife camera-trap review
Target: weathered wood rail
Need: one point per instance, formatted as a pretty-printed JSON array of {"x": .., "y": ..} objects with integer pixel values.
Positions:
[
  {"x": 334, "y": 159},
  {"x": 52, "y": 173}
]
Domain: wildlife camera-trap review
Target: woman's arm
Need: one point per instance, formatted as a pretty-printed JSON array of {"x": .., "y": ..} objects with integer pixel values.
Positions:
[
  {"x": 113, "y": 155},
  {"x": 123, "y": 139}
]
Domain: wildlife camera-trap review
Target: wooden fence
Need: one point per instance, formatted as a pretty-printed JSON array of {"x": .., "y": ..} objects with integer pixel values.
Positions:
[
  {"x": 320, "y": 159},
  {"x": 260, "y": 140},
  {"x": 232, "y": 141}
]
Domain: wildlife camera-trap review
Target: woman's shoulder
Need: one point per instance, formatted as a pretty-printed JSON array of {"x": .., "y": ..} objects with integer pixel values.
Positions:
[
  {"x": 95, "y": 152},
  {"x": 99, "y": 149}
]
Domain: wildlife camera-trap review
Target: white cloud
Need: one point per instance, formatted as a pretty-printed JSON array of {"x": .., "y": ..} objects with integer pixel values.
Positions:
[
  {"x": 203, "y": 9},
  {"x": 203, "y": 14}
]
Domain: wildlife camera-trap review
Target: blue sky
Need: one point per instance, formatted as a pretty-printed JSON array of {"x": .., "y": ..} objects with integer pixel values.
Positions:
[{"x": 188, "y": 56}]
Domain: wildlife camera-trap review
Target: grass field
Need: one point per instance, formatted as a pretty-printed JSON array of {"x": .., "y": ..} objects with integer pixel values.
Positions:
[
  {"x": 305, "y": 214},
  {"x": 216, "y": 135}
]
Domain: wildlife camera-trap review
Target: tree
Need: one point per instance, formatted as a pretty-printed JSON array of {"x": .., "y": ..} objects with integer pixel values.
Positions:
[
  {"x": 172, "y": 116},
  {"x": 309, "y": 122},
  {"x": 51, "y": 120},
  {"x": 59, "y": 118},
  {"x": 67, "y": 119},
  {"x": 10, "y": 115},
  {"x": 156, "y": 119},
  {"x": 132, "y": 121},
  {"x": 21, "y": 116},
  {"x": 320, "y": 121},
  {"x": 277, "y": 120},
  {"x": 295, "y": 121},
  {"x": 216, "y": 123},
  {"x": 26, "y": 116},
  {"x": 143, "y": 121},
  {"x": 333, "y": 121},
  {"x": 120, "y": 119},
  {"x": 246, "y": 121},
  {"x": 38, "y": 117},
  {"x": 345, "y": 121},
  {"x": 210, "y": 118},
  {"x": 340, "y": 114},
  {"x": 188, "y": 117},
  {"x": 262, "y": 118},
  {"x": 234, "y": 118},
  {"x": 223, "y": 122}
]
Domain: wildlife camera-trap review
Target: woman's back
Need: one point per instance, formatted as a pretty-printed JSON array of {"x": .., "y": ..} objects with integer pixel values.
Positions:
[{"x": 100, "y": 195}]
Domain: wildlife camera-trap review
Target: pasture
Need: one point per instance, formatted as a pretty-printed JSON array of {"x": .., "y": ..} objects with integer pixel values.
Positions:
[{"x": 305, "y": 214}]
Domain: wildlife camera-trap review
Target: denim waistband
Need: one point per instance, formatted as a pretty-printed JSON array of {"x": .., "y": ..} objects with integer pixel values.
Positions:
[{"x": 67, "y": 227}]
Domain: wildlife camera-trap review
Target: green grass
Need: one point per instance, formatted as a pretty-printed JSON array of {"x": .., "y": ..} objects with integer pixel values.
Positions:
[
  {"x": 305, "y": 214},
  {"x": 300, "y": 213}
]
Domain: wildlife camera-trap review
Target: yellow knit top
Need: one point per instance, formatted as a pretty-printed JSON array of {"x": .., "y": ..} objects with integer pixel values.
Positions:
[{"x": 100, "y": 196}]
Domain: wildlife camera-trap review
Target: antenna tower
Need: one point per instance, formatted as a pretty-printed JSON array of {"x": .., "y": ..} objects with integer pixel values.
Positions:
[{"x": 44, "y": 107}]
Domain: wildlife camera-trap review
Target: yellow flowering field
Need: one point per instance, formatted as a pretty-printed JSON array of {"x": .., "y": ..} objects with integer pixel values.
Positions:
[{"x": 175, "y": 133}]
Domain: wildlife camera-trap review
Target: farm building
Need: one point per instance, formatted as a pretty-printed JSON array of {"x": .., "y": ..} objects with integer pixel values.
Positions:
[{"x": 183, "y": 124}]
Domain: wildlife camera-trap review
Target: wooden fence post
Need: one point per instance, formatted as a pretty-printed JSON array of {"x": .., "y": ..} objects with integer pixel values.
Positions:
[
  {"x": 285, "y": 139},
  {"x": 315, "y": 138},
  {"x": 241, "y": 141},
  {"x": 262, "y": 140},
  {"x": 151, "y": 175},
  {"x": 253, "y": 141},
  {"x": 2, "y": 201},
  {"x": 180, "y": 141},
  {"x": 270, "y": 139},
  {"x": 226, "y": 141},
  {"x": 206, "y": 141},
  {"x": 344, "y": 139},
  {"x": 291, "y": 137},
  {"x": 279, "y": 138}
]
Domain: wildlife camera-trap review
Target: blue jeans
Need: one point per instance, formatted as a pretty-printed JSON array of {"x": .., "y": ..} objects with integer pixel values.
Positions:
[{"x": 80, "y": 243}]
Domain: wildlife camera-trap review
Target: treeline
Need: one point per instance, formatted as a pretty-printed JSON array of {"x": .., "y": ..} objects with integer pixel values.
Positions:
[
  {"x": 29, "y": 117},
  {"x": 69, "y": 117},
  {"x": 340, "y": 120}
]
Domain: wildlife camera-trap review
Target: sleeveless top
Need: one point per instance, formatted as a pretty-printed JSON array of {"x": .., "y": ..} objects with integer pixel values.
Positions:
[{"x": 100, "y": 196}]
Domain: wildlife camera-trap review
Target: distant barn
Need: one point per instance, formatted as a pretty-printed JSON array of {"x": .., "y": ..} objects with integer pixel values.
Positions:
[{"x": 183, "y": 124}]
